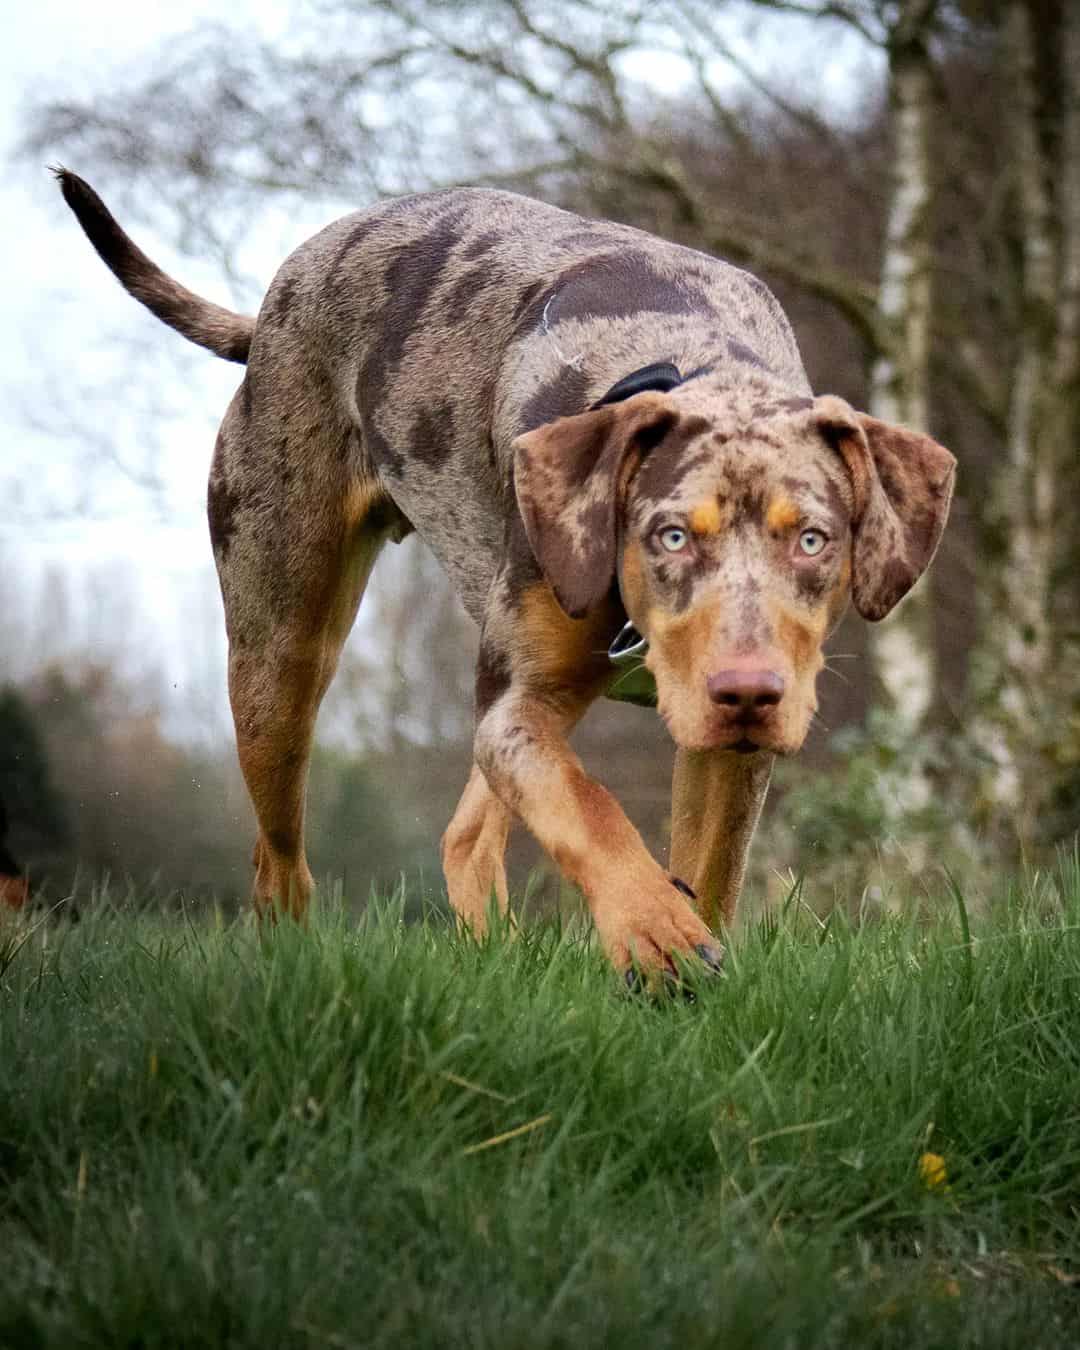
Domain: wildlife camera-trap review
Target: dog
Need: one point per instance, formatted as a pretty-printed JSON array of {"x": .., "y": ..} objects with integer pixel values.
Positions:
[{"x": 590, "y": 427}]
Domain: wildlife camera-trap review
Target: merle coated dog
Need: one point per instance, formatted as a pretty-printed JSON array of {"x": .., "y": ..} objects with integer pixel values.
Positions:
[{"x": 587, "y": 425}]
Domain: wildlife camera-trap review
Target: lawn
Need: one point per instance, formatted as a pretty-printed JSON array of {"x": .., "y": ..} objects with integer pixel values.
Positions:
[{"x": 386, "y": 1135}]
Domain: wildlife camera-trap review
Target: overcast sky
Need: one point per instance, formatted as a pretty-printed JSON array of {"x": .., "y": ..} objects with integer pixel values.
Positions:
[{"x": 64, "y": 505}]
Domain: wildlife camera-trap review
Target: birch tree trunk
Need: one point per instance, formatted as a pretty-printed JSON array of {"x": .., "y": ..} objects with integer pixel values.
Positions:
[
  {"x": 902, "y": 648},
  {"x": 1014, "y": 668}
]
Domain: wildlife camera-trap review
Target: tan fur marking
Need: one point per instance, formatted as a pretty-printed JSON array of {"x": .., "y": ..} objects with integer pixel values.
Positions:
[
  {"x": 560, "y": 650},
  {"x": 632, "y": 581},
  {"x": 705, "y": 517},
  {"x": 801, "y": 642},
  {"x": 638, "y": 914},
  {"x": 472, "y": 854},
  {"x": 782, "y": 514},
  {"x": 359, "y": 498},
  {"x": 716, "y": 799}
]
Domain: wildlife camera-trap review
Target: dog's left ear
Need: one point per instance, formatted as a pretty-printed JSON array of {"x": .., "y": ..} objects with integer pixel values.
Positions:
[
  {"x": 570, "y": 477},
  {"x": 902, "y": 483}
]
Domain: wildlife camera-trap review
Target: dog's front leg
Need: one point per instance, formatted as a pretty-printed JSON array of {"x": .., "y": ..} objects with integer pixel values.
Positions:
[
  {"x": 716, "y": 800},
  {"x": 640, "y": 916}
]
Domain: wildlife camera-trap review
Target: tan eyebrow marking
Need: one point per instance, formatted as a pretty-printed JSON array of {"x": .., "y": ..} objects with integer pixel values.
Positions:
[
  {"x": 705, "y": 517},
  {"x": 782, "y": 513}
]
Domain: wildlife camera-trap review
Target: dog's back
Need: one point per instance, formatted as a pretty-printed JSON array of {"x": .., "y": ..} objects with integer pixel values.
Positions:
[{"x": 444, "y": 325}]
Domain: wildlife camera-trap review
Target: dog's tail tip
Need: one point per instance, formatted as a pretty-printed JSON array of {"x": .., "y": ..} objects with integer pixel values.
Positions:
[{"x": 219, "y": 330}]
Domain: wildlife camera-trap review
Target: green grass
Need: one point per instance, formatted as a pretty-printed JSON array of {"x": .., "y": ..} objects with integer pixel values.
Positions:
[{"x": 208, "y": 1139}]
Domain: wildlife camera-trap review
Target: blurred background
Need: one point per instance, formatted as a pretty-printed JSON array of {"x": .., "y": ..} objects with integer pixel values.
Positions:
[{"x": 905, "y": 174}]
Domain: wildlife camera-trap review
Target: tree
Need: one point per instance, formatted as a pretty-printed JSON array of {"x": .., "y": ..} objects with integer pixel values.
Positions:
[
  {"x": 1024, "y": 675},
  {"x": 36, "y": 815}
]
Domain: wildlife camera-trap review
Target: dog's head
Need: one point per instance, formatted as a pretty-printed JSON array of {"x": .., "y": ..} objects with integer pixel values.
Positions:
[{"x": 736, "y": 533}]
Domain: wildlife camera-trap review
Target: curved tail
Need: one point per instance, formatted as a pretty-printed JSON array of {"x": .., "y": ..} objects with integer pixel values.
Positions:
[{"x": 219, "y": 330}]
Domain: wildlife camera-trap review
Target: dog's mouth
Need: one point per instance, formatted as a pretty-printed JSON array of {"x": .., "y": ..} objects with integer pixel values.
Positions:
[{"x": 741, "y": 740}]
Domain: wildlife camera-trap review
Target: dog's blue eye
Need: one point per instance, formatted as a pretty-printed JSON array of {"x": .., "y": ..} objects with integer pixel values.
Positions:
[
  {"x": 673, "y": 538},
  {"x": 812, "y": 542}
]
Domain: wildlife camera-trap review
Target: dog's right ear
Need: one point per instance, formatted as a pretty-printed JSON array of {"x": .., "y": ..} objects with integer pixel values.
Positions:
[{"x": 570, "y": 477}]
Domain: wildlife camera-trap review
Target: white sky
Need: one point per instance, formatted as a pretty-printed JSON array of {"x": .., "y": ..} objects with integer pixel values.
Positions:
[
  {"x": 65, "y": 315},
  {"x": 68, "y": 322}
]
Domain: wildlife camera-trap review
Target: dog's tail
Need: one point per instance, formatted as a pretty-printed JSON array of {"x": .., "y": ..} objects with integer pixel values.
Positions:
[{"x": 219, "y": 330}]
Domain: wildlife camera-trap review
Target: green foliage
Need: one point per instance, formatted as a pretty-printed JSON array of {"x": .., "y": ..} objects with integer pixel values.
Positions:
[
  {"x": 880, "y": 811},
  {"x": 362, "y": 831},
  {"x": 37, "y": 818},
  {"x": 94, "y": 783},
  {"x": 393, "y": 1136}
]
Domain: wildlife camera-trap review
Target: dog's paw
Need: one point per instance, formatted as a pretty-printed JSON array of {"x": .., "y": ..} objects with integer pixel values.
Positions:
[{"x": 656, "y": 935}]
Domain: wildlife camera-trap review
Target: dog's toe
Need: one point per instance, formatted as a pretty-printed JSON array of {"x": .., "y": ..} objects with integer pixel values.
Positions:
[{"x": 713, "y": 956}]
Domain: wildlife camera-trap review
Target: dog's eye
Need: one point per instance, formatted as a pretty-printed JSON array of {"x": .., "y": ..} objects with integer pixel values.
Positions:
[
  {"x": 812, "y": 542},
  {"x": 673, "y": 538}
]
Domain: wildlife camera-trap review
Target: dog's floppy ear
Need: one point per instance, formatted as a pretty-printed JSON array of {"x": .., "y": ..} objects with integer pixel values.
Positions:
[
  {"x": 570, "y": 476},
  {"x": 902, "y": 483}
]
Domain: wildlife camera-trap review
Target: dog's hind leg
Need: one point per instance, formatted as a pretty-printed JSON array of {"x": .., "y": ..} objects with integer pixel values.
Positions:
[
  {"x": 293, "y": 559},
  {"x": 472, "y": 853}
]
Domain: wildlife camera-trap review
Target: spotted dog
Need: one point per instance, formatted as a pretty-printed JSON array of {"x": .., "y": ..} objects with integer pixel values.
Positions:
[{"x": 588, "y": 426}]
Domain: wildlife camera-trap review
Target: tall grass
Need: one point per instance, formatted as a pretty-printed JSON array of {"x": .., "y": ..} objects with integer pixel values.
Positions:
[{"x": 388, "y": 1135}]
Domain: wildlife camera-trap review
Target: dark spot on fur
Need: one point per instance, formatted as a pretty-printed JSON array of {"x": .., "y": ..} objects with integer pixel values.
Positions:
[
  {"x": 770, "y": 407},
  {"x": 750, "y": 510},
  {"x": 576, "y": 238},
  {"x": 521, "y": 569},
  {"x": 410, "y": 281},
  {"x": 471, "y": 286},
  {"x": 280, "y": 299},
  {"x": 530, "y": 308},
  {"x": 619, "y": 285},
  {"x": 432, "y": 436},
  {"x": 669, "y": 462},
  {"x": 649, "y": 436},
  {"x": 739, "y": 351},
  {"x": 894, "y": 581},
  {"x": 483, "y": 243},
  {"x": 221, "y": 508},
  {"x": 493, "y": 676},
  {"x": 894, "y": 489},
  {"x": 676, "y": 580},
  {"x": 811, "y": 583},
  {"x": 365, "y": 225},
  {"x": 562, "y": 396}
]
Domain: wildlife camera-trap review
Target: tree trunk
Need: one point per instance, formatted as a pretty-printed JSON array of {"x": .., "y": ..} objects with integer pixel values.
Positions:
[
  {"x": 902, "y": 650},
  {"x": 1014, "y": 665}
]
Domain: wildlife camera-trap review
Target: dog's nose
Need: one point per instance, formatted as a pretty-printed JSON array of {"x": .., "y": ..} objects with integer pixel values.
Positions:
[{"x": 746, "y": 691}]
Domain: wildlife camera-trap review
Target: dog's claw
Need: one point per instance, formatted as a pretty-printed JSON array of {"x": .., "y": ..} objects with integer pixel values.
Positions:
[
  {"x": 712, "y": 956},
  {"x": 681, "y": 885}
]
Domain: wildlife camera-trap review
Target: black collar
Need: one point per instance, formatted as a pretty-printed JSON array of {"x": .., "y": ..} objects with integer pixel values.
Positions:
[{"x": 660, "y": 376}]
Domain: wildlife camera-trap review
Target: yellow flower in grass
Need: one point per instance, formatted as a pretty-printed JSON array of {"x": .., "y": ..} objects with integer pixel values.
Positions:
[{"x": 933, "y": 1173}]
